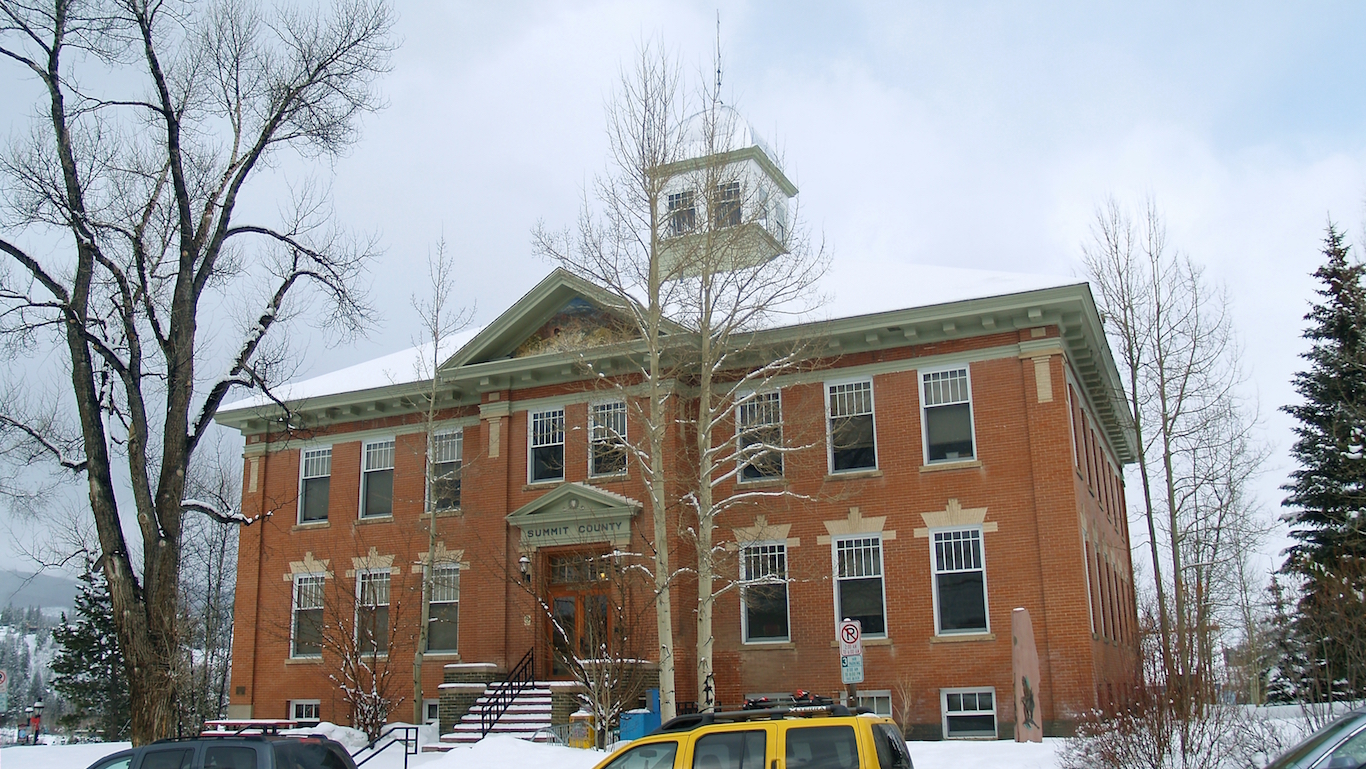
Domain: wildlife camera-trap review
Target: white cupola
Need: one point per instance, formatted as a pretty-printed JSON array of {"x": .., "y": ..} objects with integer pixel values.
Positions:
[{"x": 726, "y": 203}]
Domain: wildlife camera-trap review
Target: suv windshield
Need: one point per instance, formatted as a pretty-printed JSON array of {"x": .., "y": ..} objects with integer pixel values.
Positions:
[{"x": 1329, "y": 733}]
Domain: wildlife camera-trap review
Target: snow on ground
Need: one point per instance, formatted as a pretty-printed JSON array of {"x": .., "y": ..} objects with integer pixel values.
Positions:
[{"x": 506, "y": 751}]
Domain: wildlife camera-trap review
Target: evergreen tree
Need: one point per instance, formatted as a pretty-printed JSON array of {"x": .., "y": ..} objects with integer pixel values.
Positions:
[
  {"x": 88, "y": 668},
  {"x": 1327, "y": 495}
]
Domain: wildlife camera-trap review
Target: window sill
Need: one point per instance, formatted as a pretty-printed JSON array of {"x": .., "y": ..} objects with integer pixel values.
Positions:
[
  {"x": 539, "y": 485},
  {"x": 310, "y": 525},
  {"x": 761, "y": 483},
  {"x": 847, "y": 475},
  {"x": 450, "y": 656},
  {"x": 304, "y": 660},
  {"x": 608, "y": 478},
  {"x": 374, "y": 519},
  {"x": 962, "y": 638},
  {"x": 877, "y": 641},
  {"x": 957, "y": 464},
  {"x": 759, "y": 646},
  {"x": 452, "y": 512}
]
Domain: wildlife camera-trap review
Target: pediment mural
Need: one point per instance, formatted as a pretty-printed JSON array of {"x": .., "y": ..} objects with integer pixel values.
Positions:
[{"x": 578, "y": 325}]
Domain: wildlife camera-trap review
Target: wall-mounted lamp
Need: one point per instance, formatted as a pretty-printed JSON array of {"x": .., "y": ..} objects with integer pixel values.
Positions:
[{"x": 524, "y": 563}]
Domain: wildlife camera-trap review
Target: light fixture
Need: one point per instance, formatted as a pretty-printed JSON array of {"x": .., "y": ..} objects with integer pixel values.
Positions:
[
  {"x": 38, "y": 707},
  {"x": 524, "y": 563}
]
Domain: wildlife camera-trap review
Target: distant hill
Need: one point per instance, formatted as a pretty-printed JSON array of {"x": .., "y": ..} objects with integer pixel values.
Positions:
[{"x": 47, "y": 590}]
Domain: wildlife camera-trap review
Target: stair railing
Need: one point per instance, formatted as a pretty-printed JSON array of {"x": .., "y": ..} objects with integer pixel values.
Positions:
[{"x": 497, "y": 703}]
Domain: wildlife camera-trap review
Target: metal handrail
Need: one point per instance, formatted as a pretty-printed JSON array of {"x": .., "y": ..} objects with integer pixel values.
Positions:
[
  {"x": 506, "y": 692},
  {"x": 409, "y": 742}
]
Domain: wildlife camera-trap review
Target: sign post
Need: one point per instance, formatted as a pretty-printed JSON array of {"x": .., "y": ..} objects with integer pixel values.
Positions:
[
  {"x": 4, "y": 691},
  {"x": 849, "y": 633}
]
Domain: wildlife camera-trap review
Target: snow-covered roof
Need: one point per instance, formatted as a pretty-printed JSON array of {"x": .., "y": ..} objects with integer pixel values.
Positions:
[
  {"x": 865, "y": 289},
  {"x": 399, "y": 368},
  {"x": 857, "y": 289}
]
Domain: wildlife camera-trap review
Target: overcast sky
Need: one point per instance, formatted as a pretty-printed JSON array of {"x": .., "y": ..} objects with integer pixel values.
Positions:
[
  {"x": 971, "y": 134},
  {"x": 958, "y": 134}
]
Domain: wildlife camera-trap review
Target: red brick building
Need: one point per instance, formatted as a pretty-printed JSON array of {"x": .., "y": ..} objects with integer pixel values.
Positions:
[{"x": 975, "y": 468}]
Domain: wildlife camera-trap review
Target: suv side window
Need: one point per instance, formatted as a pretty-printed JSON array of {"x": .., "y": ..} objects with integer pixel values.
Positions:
[
  {"x": 891, "y": 747},
  {"x": 656, "y": 755},
  {"x": 730, "y": 750},
  {"x": 168, "y": 758},
  {"x": 229, "y": 757},
  {"x": 121, "y": 762},
  {"x": 821, "y": 747},
  {"x": 314, "y": 755}
]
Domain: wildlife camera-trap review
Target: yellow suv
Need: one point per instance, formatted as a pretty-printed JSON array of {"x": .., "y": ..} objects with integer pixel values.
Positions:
[{"x": 814, "y": 737}]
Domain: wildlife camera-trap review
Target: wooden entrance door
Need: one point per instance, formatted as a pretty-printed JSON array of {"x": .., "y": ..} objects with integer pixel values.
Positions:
[{"x": 580, "y": 622}]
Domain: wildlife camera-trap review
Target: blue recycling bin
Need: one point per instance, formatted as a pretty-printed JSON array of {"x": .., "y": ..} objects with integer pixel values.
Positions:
[{"x": 638, "y": 723}]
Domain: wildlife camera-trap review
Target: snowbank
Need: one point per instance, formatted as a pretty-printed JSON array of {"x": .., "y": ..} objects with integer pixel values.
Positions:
[{"x": 510, "y": 751}]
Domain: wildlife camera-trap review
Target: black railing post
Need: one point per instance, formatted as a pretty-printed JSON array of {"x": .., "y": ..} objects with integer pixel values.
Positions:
[{"x": 506, "y": 692}]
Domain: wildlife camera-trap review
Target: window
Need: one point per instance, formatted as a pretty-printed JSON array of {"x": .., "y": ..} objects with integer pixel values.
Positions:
[
  {"x": 431, "y": 711},
  {"x": 730, "y": 750},
  {"x": 443, "y": 611},
  {"x": 656, "y": 755},
  {"x": 682, "y": 213},
  {"x": 890, "y": 743},
  {"x": 763, "y": 591},
  {"x": 607, "y": 438},
  {"x": 959, "y": 582},
  {"x": 306, "y": 712},
  {"x": 307, "y": 631},
  {"x": 820, "y": 746},
  {"x": 447, "y": 449},
  {"x": 947, "y": 409},
  {"x": 727, "y": 205},
  {"x": 229, "y": 757},
  {"x": 858, "y": 589},
  {"x": 377, "y": 479},
  {"x": 880, "y": 702},
  {"x": 759, "y": 422},
  {"x": 547, "y": 445},
  {"x": 969, "y": 712},
  {"x": 168, "y": 758},
  {"x": 316, "y": 478},
  {"x": 851, "y": 426},
  {"x": 372, "y": 612}
]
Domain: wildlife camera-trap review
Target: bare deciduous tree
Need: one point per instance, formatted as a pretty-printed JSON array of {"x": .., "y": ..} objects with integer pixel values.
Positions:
[
  {"x": 1196, "y": 436},
  {"x": 702, "y": 253},
  {"x": 123, "y": 244}
]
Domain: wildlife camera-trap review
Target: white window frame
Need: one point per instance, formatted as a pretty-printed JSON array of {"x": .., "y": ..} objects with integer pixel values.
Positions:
[
  {"x": 670, "y": 210},
  {"x": 531, "y": 444},
  {"x": 437, "y": 437},
  {"x": 304, "y": 457},
  {"x": 388, "y": 604},
  {"x": 875, "y": 695},
  {"x": 294, "y": 609},
  {"x": 456, "y": 601},
  {"x": 749, "y": 401},
  {"x": 607, "y": 436},
  {"x": 944, "y": 711},
  {"x": 365, "y": 470},
  {"x": 882, "y": 575},
  {"x": 746, "y": 580},
  {"x": 294, "y": 706},
  {"x": 935, "y": 572},
  {"x": 830, "y": 424},
  {"x": 925, "y": 406},
  {"x": 427, "y": 705}
]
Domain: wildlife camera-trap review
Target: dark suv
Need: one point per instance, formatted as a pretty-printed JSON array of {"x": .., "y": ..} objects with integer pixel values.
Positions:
[{"x": 248, "y": 751}]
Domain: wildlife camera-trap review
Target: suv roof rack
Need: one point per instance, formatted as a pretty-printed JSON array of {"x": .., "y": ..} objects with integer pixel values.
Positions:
[{"x": 693, "y": 720}]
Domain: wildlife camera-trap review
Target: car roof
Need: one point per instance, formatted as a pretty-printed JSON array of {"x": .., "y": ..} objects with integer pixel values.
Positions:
[{"x": 687, "y": 723}]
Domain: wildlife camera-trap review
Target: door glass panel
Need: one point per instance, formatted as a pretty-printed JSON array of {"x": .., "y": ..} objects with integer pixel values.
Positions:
[
  {"x": 821, "y": 747},
  {"x": 562, "y": 633},
  {"x": 168, "y": 759},
  {"x": 730, "y": 750},
  {"x": 229, "y": 757}
]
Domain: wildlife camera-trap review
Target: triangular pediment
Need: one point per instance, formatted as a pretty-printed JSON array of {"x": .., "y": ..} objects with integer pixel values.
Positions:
[
  {"x": 575, "y": 513},
  {"x": 563, "y": 312}
]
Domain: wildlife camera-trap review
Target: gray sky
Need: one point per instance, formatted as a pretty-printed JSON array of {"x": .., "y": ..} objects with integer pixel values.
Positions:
[
  {"x": 972, "y": 134},
  {"x": 959, "y": 134}
]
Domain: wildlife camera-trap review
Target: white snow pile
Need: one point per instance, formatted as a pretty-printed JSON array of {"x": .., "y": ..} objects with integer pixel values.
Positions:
[{"x": 500, "y": 750}]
